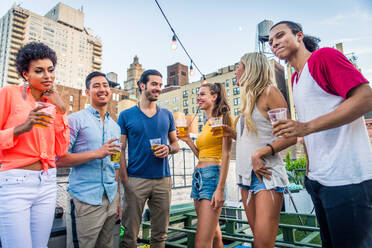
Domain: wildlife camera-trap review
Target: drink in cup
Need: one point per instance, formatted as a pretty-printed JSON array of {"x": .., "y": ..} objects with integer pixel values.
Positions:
[
  {"x": 277, "y": 114},
  {"x": 181, "y": 126},
  {"x": 155, "y": 143},
  {"x": 49, "y": 109},
  {"x": 116, "y": 157},
  {"x": 216, "y": 124}
]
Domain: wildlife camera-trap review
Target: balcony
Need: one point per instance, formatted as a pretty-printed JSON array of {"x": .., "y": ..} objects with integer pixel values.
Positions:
[
  {"x": 18, "y": 24},
  {"x": 18, "y": 30},
  {"x": 18, "y": 37}
]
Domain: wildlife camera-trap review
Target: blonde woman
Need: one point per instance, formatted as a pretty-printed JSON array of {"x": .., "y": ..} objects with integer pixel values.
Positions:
[{"x": 260, "y": 172}]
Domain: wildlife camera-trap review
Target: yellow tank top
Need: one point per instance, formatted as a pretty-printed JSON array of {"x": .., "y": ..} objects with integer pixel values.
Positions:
[{"x": 209, "y": 146}]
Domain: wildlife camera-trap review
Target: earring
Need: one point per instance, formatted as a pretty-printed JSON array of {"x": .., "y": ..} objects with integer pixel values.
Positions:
[{"x": 24, "y": 92}]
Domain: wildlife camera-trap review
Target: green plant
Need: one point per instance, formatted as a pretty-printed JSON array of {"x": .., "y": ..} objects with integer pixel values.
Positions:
[{"x": 296, "y": 169}]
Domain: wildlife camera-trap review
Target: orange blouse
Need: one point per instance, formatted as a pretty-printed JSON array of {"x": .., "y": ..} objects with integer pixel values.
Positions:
[{"x": 39, "y": 143}]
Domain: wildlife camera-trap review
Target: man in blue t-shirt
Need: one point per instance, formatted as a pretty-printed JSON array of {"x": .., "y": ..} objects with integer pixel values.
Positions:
[{"x": 147, "y": 176}]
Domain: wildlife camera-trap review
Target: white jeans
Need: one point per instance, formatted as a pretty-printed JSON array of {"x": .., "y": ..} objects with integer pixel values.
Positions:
[{"x": 27, "y": 205}]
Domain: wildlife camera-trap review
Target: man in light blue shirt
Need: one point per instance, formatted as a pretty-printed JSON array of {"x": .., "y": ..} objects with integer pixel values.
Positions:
[{"x": 93, "y": 180}]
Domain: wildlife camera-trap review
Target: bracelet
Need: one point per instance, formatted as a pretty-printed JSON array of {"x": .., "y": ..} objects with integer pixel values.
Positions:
[
  {"x": 169, "y": 148},
  {"x": 272, "y": 149}
]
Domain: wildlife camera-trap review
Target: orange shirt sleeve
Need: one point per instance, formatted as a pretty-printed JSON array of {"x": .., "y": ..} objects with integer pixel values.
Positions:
[
  {"x": 7, "y": 139},
  {"x": 62, "y": 133}
]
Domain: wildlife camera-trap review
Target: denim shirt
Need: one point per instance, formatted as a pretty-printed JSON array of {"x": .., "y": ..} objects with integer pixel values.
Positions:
[{"x": 89, "y": 181}]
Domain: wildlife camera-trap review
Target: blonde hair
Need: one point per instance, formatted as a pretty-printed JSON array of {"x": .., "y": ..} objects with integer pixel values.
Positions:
[{"x": 257, "y": 76}]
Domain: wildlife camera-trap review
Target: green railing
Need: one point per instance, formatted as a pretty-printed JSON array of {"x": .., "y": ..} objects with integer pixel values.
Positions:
[{"x": 183, "y": 220}]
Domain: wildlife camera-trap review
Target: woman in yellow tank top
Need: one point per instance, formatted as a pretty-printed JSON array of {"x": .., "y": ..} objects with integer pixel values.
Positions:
[{"x": 213, "y": 151}]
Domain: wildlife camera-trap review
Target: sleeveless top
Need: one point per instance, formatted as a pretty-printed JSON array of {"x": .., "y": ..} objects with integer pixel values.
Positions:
[
  {"x": 209, "y": 146},
  {"x": 248, "y": 143}
]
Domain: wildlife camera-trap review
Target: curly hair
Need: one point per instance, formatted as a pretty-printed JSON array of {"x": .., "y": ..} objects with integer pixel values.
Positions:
[{"x": 33, "y": 51}]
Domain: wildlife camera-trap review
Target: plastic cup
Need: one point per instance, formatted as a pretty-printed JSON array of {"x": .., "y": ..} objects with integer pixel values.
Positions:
[
  {"x": 216, "y": 125},
  {"x": 50, "y": 109},
  {"x": 182, "y": 128},
  {"x": 155, "y": 143},
  {"x": 116, "y": 157},
  {"x": 277, "y": 114}
]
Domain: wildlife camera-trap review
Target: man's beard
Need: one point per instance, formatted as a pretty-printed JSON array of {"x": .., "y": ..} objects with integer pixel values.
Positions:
[{"x": 149, "y": 97}]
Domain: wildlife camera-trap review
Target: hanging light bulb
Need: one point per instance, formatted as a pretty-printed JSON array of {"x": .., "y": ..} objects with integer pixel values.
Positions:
[
  {"x": 174, "y": 43},
  {"x": 191, "y": 70},
  {"x": 204, "y": 80}
]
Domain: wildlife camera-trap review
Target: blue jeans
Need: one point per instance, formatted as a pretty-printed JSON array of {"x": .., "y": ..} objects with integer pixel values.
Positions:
[
  {"x": 344, "y": 213},
  {"x": 204, "y": 182}
]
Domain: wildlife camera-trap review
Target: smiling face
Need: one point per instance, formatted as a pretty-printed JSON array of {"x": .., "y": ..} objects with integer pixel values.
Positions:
[
  {"x": 40, "y": 74},
  {"x": 152, "y": 89},
  {"x": 205, "y": 99},
  {"x": 283, "y": 43},
  {"x": 99, "y": 91}
]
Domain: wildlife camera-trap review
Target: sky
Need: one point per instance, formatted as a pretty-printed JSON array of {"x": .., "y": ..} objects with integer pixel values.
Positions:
[{"x": 216, "y": 33}]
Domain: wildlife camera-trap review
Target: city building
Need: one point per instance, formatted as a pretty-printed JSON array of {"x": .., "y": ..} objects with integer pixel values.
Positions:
[
  {"x": 178, "y": 75},
  {"x": 76, "y": 99},
  {"x": 182, "y": 98},
  {"x": 133, "y": 75},
  {"x": 79, "y": 52}
]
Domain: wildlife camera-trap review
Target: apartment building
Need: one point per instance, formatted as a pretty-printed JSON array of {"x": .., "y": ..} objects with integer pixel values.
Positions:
[{"x": 79, "y": 52}]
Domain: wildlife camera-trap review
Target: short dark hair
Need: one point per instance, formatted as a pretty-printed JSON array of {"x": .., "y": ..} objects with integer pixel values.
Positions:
[
  {"x": 33, "y": 51},
  {"x": 92, "y": 75},
  {"x": 145, "y": 77},
  {"x": 311, "y": 42}
]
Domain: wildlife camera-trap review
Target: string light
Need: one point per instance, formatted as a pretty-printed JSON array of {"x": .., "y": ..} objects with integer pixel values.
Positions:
[
  {"x": 174, "y": 43},
  {"x": 191, "y": 70},
  {"x": 204, "y": 80},
  {"x": 177, "y": 38}
]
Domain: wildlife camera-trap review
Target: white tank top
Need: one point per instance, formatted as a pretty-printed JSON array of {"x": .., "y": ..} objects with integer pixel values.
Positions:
[{"x": 248, "y": 143}]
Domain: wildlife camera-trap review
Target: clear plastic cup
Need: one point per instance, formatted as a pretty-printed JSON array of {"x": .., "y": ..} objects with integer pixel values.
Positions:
[
  {"x": 155, "y": 143},
  {"x": 116, "y": 157},
  {"x": 49, "y": 109},
  {"x": 216, "y": 125},
  {"x": 182, "y": 128},
  {"x": 277, "y": 114}
]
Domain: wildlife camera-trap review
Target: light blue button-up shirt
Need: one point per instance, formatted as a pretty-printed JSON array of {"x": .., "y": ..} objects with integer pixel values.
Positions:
[{"x": 89, "y": 181}]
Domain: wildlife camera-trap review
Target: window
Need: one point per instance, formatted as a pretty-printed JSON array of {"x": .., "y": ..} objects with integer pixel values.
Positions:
[
  {"x": 183, "y": 73},
  {"x": 185, "y": 93},
  {"x": 200, "y": 128},
  {"x": 227, "y": 83},
  {"x": 236, "y": 91},
  {"x": 193, "y": 100},
  {"x": 186, "y": 111},
  {"x": 228, "y": 92},
  {"x": 71, "y": 98},
  {"x": 197, "y": 90},
  {"x": 175, "y": 109},
  {"x": 234, "y": 81},
  {"x": 236, "y": 111},
  {"x": 172, "y": 73},
  {"x": 192, "y": 91},
  {"x": 193, "y": 110},
  {"x": 185, "y": 103},
  {"x": 200, "y": 118},
  {"x": 236, "y": 101},
  {"x": 175, "y": 99},
  {"x": 70, "y": 107}
]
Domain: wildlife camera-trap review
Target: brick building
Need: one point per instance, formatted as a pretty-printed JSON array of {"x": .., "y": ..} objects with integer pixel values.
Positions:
[{"x": 76, "y": 99}]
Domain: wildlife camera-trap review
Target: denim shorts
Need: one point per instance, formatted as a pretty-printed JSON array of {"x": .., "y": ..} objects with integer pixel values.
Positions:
[
  {"x": 256, "y": 186},
  {"x": 204, "y": 182}
]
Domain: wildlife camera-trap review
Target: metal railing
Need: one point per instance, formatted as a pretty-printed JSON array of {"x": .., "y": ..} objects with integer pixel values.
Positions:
[{"x": 181, "y": 175}]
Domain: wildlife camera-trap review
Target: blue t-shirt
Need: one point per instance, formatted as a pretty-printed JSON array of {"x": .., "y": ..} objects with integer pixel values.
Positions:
[{"x": 139, "y": 129}]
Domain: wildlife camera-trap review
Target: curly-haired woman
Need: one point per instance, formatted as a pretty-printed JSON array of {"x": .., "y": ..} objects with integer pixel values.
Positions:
[{"x": 33, "y": 130}]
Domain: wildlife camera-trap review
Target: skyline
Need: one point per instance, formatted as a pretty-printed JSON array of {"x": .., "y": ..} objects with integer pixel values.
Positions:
[{"x": 215, "y": 33}]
